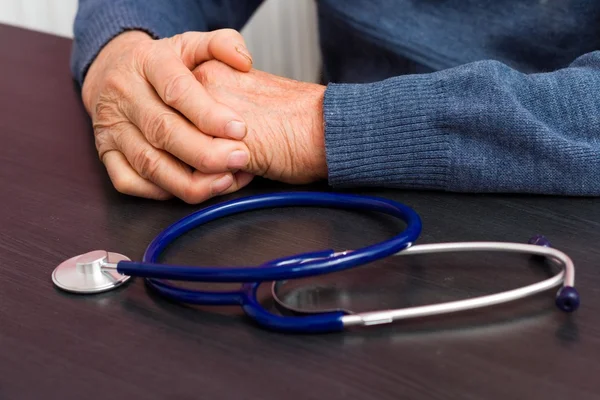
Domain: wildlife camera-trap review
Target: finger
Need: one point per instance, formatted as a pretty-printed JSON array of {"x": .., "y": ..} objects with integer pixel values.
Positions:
[
  {"x": 243, "y": 179},
  {"x": 169, "y": 131},
  {"x": 229, "y": 183},
  {"x": 178, "y": 88},
  {"x": 127, "y": 181},
  {"x": 225, "y": 45},
  {"x": 168, "y": 173}
]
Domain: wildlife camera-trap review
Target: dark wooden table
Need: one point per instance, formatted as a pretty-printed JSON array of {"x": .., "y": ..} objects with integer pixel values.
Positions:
[{"x": 56, "y": 201}]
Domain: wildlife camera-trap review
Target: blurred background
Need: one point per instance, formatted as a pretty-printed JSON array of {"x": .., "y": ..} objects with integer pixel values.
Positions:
[{"x": 282, "y": 35}]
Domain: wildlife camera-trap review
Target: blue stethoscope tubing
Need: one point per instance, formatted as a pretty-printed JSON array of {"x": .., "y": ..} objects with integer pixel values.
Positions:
[
  {"x": 292, "y": 267},
  {"x": 247, "y": 298}
]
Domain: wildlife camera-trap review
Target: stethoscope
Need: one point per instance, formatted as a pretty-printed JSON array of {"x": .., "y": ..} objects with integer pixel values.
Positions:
[{"x": 100, "y": 271}]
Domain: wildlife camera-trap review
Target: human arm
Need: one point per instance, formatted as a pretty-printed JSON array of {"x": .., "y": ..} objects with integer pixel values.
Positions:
[
  {"x": 481, "y": 127},
  {"x": 153, "y": 122}
]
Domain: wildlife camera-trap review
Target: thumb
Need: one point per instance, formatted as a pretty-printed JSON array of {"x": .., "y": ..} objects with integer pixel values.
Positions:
[{"x": 225, "y": 45}]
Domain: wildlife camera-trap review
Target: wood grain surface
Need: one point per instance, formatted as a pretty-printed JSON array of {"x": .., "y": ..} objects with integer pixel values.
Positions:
[{"x": 56, "y": 201}]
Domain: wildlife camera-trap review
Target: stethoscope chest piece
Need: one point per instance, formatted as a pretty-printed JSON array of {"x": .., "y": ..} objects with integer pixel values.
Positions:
[{"x": 92, "y": 272}]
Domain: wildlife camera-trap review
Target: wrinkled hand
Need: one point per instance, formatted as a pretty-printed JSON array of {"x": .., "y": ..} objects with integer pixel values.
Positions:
[
  {"x": 157, "y": 130},
  {"x": 285, "y": 136}
]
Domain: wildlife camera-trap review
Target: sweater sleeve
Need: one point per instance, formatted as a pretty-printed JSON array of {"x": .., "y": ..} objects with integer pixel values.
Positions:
[
  {"x": 99, "y": 21},
  {"x": 480, "y": 127}
]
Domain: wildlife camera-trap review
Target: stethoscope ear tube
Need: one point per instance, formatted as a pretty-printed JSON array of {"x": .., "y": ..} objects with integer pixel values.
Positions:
[
  {"x": 150, "y": 268},
  {"x": 567, "y": 298},
  {"x": 247, "y": 298},
  {"x": 318, "y": 323}
]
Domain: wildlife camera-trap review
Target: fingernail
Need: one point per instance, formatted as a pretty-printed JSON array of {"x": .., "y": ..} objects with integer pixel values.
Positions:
[
  {"x": 243, "y": 51},
  {"x": 237, "y": 159},
  {"x": 236, "y": 130},
  {"x": 221, "y": 184}
]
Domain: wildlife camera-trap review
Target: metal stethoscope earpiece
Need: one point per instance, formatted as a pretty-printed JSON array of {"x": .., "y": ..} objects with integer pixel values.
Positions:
[{"x": 567, "y": 297}]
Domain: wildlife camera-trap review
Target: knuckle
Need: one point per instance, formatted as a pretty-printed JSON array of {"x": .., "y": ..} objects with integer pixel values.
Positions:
[
  {"x": 208, "y": 73},
  {"x": 228, "y": 33},
  {"x": 145, "y": 56},
  {"x": 112, "y": 98},
  {"x": 160, "y": 129},
  {"x": 123, "y": 184},
  {"x": 114, "y": 84},
  {"x": 176, "y": 89},
  {"x": 178, "y": 40},
  {"x": 102, "y": 141},
  {"x": 106, "y": 136},
  {"x": 205, "y": 116},
  {"x": 201, "y": 161},
  {"x": 211, "y": 74},
  {"x": 141, "y": 51},
  {"x": 147, "y": 163},
  {"x": 191, "y": 195},
  {"x": 200, "y": 74},
  {"x": 106, "y": 111}
]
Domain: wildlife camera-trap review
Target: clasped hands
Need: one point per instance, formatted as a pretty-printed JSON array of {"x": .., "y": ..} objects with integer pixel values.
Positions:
[{"x": 187, "y": 116}]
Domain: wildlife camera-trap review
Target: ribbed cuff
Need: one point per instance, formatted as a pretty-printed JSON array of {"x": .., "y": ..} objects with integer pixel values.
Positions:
[
  {"x": 94, "y": 30},
  {"x": 387, "y": 134}
]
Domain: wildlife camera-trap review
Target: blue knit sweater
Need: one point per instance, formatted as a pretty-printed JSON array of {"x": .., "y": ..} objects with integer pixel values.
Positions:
[{"x": 456, "y": 95}]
